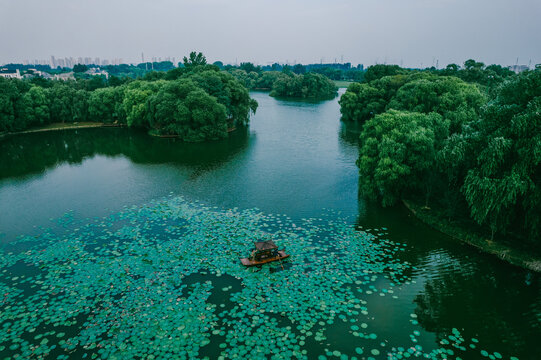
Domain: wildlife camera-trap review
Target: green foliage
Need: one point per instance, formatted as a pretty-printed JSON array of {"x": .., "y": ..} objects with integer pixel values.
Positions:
[
  {"x": 503, "y": 188},
  {"x": 398, "y": 152},
  {"x": 418, "y": 92},
  {"x": 36, "y": 105},
  {"x": 195, "y": 59},
  {"x": 332, "y": 73},
  {"x": 197, "y": 102},
  {"x": 363, "y": 101},
  {"x": 80, "y": 68},
  {"x": 285, "y": 83},
  {"x": 449, "y": 96},
  {"x": 135, "y": 102},
  {"x": 308, "y": 86},
  {"x": 490, "y": 76},
  {"x": 62, "y": 96},
  {"x": 378, "y": 71},
  {"x": 423, "y": 90},
  {"x": 426, "y": 133},
  {"x": 106, "y": 105},
  {"x": 182, "y": 108},
  {"x": 299, "y": 69},
  {"x": 249, "y": 80},
  {"x": 266, "y": 80},
  {"x": 250, "y": 67},
  {"x": 11, "y": 104}
]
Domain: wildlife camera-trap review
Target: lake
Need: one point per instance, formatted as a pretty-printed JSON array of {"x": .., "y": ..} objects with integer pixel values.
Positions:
[{"x": 116, "y": 244}]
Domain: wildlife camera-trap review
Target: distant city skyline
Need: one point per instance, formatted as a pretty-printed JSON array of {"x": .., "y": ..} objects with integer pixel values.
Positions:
[
  {"x": 69, "y": 62},
  {"x": 412, "y": 33}
]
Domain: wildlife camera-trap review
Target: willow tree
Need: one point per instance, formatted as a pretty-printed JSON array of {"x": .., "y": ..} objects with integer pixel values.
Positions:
[
  {"x": 503, "y": 189},
  {"x": 182, "y": 108},
  {"x": 398, "y": 153}
]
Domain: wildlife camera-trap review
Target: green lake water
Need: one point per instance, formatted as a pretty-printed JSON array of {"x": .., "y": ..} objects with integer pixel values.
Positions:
[{"x": 115, "y": 244}]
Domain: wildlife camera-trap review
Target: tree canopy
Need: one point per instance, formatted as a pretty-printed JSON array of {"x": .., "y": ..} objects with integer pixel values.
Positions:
[
  {"x": 471, "y": 148},
  {"x": 398, "y": 150},
  {"x": 307, "y": 86},
  {"x": 503, "y": 188},
  {"x": 197, "y": 103},
  {"x": 194, "y": 59}
]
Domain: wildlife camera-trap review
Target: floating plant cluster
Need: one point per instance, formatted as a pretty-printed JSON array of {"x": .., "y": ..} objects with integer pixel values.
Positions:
[{"x": 165, "y": 281}]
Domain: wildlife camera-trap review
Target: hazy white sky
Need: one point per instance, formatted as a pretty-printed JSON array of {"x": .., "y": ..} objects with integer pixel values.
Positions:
[{"x": 411, "y": 32}]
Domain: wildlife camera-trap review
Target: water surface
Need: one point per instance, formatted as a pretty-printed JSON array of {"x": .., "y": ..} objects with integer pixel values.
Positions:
[{"x": 295, "y": 160}]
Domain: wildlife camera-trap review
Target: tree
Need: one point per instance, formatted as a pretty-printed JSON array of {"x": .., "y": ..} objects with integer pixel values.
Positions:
[
  {"x": 378, "y": 71},
  {"x": 503, "y": 189},
  {"x": 61, "y": 102},
  {"x": 308, "y": 86},
  {"x": 276, "y": 67},
  {"x": 266, "y": 80},
  {"x": 450, "y": 70},
  {"x": 9, "y": 94},
  {"x": 95, "y": 82},
  {"x": 228, "y": 92},
  {"x": 198, "y": 102},
  {"x": 80, "y": 105},
  {"x": 363, "y": 101},
  {"x": 246, "y": 79},
  {"x": 299, "y": 69},
  {"x": 79, "y": 68},
  {"x": 105, "y": 105},
  {"x": 451, "y": 97},
  {"x": 398, "y": 152},
  {"x": 472, "y": 64},
  {"x": 195, "y": 59},
  {"x": 249, "y": 67},
  {"x": 36, "y": 106},
  {"x": 181, "y": 108},
  {"x": 135, "y": 102}
]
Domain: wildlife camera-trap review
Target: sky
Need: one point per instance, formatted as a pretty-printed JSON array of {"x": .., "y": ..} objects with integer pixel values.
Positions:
[{"x": 411, "y": 33}]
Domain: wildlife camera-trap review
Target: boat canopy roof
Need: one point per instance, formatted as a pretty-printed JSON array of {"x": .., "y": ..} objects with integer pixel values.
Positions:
[{"x": 265, "y": 245}]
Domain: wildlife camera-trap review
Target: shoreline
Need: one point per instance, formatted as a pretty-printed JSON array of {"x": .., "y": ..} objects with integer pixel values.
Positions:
[
  {"x": 59, "y": 126},
  {"x": 504, "y": 252},
  {"x": 85, "y": 125}
]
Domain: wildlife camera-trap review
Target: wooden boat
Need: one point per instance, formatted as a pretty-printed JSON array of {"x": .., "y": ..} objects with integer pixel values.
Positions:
[{"x": 264, "y": 252}]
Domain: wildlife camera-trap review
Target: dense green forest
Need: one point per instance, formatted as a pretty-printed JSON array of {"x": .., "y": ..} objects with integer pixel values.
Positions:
[
  {"x": 286, "y": 83},
  {"x": 465, "y": 141},
  {"x": 307, "y": 86},
  {"x": 196, "y": 102}
]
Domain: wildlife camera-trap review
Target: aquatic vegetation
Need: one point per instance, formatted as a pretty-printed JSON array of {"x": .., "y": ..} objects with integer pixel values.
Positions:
[{"x": 164, "y": 281}]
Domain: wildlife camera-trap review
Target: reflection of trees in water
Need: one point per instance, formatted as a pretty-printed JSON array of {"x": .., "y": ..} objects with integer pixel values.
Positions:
[
  {"x": 350, "y": 132},
  {"x": 485, "y": 299},
  {"x": 27, "y": 154},
  {"x": 496, "y": 308}
]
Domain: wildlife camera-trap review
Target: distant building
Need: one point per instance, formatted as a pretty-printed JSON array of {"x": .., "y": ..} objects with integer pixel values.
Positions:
[
  {"x": 519, "y": 68},
  {"x": 64, "y": 76},
  {"x": 97, "y": 71},
  {"x": 32, "y": 73},
  {"x": 10, "y": 74}
]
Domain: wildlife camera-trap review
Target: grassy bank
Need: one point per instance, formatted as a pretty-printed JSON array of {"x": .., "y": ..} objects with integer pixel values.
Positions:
[
  {"x": 342, "y": 83},
  {"x": 59, "y": 126},
  {"x": 505, "y": 252}
]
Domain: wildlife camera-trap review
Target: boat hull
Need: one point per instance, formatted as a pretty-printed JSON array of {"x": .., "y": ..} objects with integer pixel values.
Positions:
[{"x": 248, "y": 262}]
